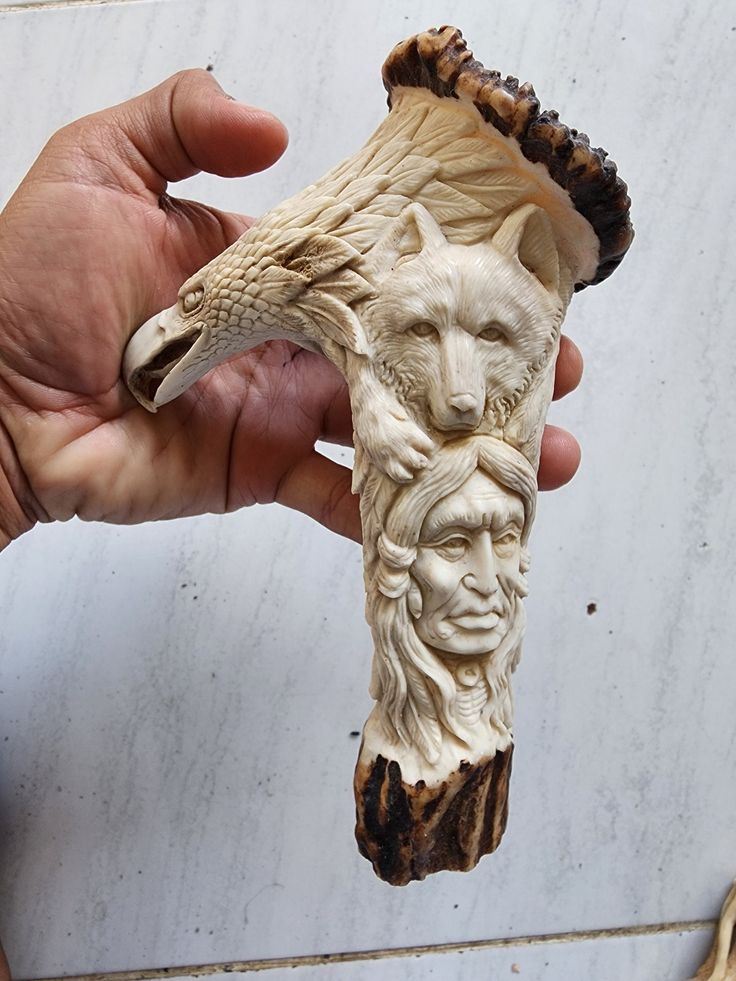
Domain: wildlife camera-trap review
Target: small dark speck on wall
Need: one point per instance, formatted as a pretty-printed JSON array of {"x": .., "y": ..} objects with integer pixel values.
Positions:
[
  {"x": 210, "y": 68},
  {"x": 354, "y": 734},
  {"x": 591, "y": 608}
]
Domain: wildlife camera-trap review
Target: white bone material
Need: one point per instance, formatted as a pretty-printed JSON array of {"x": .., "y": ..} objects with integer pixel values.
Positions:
[{"x": 434, "y": 269}]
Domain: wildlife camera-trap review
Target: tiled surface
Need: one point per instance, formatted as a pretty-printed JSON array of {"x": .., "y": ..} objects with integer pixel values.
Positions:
[{"x": 175, "y": 771}]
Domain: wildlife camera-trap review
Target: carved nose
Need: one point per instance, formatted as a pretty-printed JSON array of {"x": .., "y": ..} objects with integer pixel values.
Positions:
[
  {"x": 483, "y": 577},
  {"x": 464, "y": 402}
]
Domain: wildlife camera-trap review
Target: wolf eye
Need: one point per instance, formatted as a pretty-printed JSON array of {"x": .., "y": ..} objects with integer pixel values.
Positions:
[
  {"x": 423, "y": 329},
  {"x": 191, "y": 300},
  {"x": 493, "y": 332}
]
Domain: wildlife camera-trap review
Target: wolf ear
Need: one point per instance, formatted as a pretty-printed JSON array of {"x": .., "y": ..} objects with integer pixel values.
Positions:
[
  {"x": 527, "y": 235},
  {"x": 415, "y": 231}
]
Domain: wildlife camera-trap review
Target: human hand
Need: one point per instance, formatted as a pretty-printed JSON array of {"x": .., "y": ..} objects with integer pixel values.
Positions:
[
  {"x": 560, "y": 456},
  {"x": 91, "y": 246}
]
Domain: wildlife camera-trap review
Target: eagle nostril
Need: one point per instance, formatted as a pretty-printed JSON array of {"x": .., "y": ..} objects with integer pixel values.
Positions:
[{"x": 464, "y": 402}]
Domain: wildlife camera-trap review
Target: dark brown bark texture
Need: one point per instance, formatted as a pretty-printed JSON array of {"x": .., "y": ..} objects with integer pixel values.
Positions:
[{"x": 408, "y": 831}]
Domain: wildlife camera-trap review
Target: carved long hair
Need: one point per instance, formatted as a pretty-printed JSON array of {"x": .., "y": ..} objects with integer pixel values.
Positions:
[{"x": 415, "y": 690}]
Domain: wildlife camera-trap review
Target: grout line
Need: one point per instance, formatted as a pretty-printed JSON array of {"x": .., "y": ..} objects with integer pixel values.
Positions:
[
  {"x": 15, "y": 8},
  {"x": 313, "y": 960}
]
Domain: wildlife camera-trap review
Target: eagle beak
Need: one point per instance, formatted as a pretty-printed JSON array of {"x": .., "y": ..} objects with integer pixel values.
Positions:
[{"x": 164, "y": 357}]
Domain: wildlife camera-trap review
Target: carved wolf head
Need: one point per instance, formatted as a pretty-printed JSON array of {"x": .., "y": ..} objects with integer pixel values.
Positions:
[{"x": 463, "y": 329}]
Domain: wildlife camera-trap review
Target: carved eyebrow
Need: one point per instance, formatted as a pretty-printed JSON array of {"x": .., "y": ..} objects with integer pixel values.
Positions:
[
  {"x": 442, "y": 524},
  {"x": 509, "y": 516},
  {"x": 426, "y": 300}
]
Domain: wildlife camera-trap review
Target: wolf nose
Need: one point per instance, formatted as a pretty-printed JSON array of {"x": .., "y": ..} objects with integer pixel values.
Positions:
[{"x": 464, "y": 402}]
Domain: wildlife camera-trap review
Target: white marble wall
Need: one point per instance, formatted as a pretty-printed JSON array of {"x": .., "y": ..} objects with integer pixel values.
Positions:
[{"x": 169, "y": 692}]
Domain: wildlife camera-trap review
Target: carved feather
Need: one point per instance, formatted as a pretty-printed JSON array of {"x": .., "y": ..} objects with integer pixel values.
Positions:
[{"x": 334, "y": 318}]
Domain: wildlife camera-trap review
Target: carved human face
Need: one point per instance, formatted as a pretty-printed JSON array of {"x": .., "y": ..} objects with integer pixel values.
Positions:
[{"x": 467, "y": 567}]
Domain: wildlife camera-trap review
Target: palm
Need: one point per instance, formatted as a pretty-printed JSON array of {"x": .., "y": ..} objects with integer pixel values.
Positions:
[{"x": 119, "y": 252}]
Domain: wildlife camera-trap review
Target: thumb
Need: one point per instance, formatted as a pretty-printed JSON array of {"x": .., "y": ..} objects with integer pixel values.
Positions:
[{"x": 185, "y": 125}]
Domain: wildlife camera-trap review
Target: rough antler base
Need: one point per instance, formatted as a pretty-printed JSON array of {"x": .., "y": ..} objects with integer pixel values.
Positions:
[{"x": 408, "y": 831}]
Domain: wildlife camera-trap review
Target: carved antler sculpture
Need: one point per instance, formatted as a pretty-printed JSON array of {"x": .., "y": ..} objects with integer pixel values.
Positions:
[{"x": 433, "y": 268}]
